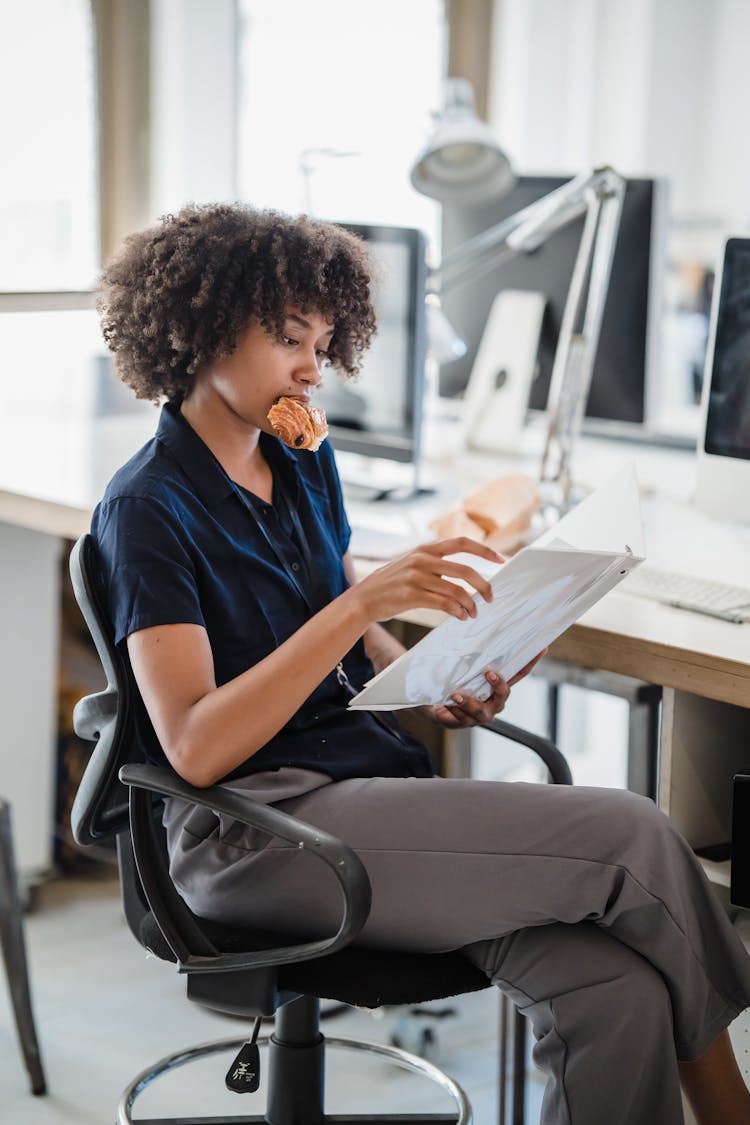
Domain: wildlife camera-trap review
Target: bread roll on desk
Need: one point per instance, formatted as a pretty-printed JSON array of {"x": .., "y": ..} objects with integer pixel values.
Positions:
[{"x": 499, "y": 513}]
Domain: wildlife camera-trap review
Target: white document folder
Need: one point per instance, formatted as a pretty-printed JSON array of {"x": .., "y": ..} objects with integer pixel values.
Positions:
[{"x": 538, "y": 594}]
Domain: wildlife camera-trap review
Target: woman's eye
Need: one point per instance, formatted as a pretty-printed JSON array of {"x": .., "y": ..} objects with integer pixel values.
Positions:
[
  {"x": 322, "y": 354},
  {"x": 289, "y": 341}
]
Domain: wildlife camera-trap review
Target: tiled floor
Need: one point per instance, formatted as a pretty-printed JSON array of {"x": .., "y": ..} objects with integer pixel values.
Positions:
[{"x": 105, "y": 1011}]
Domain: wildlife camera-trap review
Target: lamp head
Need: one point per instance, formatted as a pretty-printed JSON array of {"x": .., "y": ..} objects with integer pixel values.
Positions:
[{"x": 462, "y": 163}]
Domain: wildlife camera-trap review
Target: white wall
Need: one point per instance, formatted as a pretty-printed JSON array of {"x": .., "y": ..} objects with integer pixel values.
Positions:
[
  {"x": 654, "y": 87},
  {"x": 195, "y": 98},
  {"x": 726, "y": 150}
]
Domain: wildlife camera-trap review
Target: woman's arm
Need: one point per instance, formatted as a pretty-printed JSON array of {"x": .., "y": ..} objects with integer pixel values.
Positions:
[
  {"x": 380, "y": 645},
  {"x": 207, "y": 731}
]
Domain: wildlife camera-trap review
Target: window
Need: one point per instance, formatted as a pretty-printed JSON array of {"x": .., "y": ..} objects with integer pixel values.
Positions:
[
  {"x": 335, "y": 102},
  {"x": 48, "y": 201}
]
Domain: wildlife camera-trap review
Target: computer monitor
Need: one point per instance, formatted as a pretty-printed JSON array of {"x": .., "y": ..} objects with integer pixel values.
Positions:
[
  {"x": 379, "y": 414},
  {"x": 628, "y": 344},
  {"x": 723, "y": 473}
]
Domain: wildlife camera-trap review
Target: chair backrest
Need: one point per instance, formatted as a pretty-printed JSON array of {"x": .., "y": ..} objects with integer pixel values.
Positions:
[
  {"x": 103, "y": 807},
  {"x": 100, "y": 808}
]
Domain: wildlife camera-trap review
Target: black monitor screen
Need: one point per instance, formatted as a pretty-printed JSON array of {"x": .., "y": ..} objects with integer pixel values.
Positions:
[
  {"x": 618, "y": 383},
  {"x": 727, "y": 432},
  {"x": 379, "y": 412}
]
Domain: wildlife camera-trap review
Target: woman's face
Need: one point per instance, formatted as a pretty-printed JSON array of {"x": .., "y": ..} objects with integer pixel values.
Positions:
[{"x": 264, "y": 367}]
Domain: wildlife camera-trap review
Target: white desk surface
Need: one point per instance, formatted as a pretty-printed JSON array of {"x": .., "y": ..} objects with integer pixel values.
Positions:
[
  {"x": 622, "y": 633},
  {"x": 52, "y": 471}
]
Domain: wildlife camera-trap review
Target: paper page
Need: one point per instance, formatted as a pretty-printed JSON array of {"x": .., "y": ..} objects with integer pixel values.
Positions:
[
  {"x": 538, "y": 594},
  {"x": 609, "y": 519}
]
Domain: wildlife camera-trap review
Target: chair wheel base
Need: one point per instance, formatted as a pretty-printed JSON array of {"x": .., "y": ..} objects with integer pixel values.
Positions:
[{"x": 461, "y": 1116}]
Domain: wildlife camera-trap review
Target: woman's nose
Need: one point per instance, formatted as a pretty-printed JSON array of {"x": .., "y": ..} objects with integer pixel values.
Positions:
[{"x": 310, "y": 372}]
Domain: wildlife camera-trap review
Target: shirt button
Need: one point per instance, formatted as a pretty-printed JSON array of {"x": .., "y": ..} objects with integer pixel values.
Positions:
[{"x": 295, "y": 566}]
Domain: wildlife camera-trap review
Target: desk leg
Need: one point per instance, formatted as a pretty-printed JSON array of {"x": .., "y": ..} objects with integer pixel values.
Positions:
[
  {"x": 14, "y": 955},
  {"x": 643, "y": 701},
  {"x": 29, "y": 660},
  {"x": 643, "y": 741}
]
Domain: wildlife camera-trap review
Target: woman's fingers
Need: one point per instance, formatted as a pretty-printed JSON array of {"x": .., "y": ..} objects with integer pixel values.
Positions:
[
  {"x": 461, "y": 544},
  {"x": 479, "y": 711},
  {"x": 445, "y": 593},
  {"x": 474, "y": 711},
  {"x": 467, "y": 574},
  {"x": 500, "y": 688},
  {"x": 427, "y": 560},
  {"x": 448, "y": 717},
  {"x": 437, "y": 593},
  {"x": 425, "y": 578}
]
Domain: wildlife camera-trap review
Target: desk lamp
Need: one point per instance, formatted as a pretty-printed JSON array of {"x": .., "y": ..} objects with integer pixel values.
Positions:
[{"x": 462, "y": 163}]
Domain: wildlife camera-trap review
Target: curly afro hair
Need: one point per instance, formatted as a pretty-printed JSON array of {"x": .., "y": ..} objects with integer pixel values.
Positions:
[{"x": 181, "y": 293}]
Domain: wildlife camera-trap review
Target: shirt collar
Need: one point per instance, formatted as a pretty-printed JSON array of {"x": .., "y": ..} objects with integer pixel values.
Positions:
[{"x": 199, "y": 464}]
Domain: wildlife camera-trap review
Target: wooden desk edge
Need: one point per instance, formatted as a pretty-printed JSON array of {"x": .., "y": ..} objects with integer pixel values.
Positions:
[
  {"x": 47, "y": 516},
  {"x": 583, "y": 645},
  {"x": 696, "y": 672},
  {"x": 588, "y": 647}
]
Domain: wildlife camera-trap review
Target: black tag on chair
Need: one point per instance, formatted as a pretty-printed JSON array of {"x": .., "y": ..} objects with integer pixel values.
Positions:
[{"x": 243, "y": 1075}]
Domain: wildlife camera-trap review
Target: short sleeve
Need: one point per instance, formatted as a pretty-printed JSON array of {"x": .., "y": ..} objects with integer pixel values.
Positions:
[{"x": 148, "y": 575}]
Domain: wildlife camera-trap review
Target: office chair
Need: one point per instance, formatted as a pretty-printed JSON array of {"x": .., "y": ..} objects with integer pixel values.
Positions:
[
  {"x": 14, "y": 955},
  {"x": 237, "y": 971}
]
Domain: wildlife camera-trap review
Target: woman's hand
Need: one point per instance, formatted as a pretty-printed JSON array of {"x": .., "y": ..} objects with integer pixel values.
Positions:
[
  {"x": 469, "y": 712},
  {"x": 425, "y": 579}
]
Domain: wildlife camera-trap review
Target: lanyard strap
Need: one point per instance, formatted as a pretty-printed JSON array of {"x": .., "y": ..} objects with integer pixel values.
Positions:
[
  {"x": 392, "y": 727},
  {"x": 299, "y": 531},
  {"x": 304, "y": 545}
]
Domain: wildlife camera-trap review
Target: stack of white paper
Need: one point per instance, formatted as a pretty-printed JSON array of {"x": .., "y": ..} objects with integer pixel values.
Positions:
[{"x": 538, "y": 594}]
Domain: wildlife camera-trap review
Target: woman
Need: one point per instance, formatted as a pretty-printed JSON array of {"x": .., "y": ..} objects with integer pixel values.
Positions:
[{"x": 225, "y": 560}]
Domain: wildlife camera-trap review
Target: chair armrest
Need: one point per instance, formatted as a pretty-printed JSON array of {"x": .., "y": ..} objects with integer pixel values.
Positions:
[
  {"x": 553, "y": 758},
  {"x": 172, "y": 915}
]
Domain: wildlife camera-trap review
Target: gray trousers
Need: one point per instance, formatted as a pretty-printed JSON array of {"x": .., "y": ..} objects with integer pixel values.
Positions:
[{"x": 584, "y": 905}]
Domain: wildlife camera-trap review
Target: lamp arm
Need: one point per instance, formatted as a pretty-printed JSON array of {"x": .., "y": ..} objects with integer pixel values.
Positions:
[
  {"x": 598, "y": 194},
  {"x": 525, "y": 230},
  {"x": 578, "y": 340}
]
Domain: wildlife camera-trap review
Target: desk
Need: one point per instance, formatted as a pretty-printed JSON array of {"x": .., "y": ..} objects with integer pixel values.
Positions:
[
  {"x": 703, "y": 665},
  {"x": 52, "y": 470}
]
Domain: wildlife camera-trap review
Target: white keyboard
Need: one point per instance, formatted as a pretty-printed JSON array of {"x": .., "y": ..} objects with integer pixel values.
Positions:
[{"x": 685, "y": 591}]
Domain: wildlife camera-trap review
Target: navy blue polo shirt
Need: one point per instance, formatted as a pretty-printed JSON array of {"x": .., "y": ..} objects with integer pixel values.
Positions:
[{"x": 178, "y": 545}]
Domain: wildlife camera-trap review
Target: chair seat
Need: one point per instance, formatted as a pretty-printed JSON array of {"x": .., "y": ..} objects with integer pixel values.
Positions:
[
  {"x": 367, "y": 978},
  {"x": 286, "y": 988}
]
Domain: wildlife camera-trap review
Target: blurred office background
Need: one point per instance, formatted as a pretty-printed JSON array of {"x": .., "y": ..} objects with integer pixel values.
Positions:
[{"x": 117, "y": 111}]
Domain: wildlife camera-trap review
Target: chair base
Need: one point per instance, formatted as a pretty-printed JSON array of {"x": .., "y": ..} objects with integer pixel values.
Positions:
[{"x": 461, "y": 1116}]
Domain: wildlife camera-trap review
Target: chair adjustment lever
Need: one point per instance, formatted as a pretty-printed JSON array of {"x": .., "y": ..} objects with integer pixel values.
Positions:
[{"x": 243, "y": 1075}]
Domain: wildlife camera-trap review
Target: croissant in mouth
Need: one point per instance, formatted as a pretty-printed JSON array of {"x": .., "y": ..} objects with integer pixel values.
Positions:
[{"x": 297, "y": 425}]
